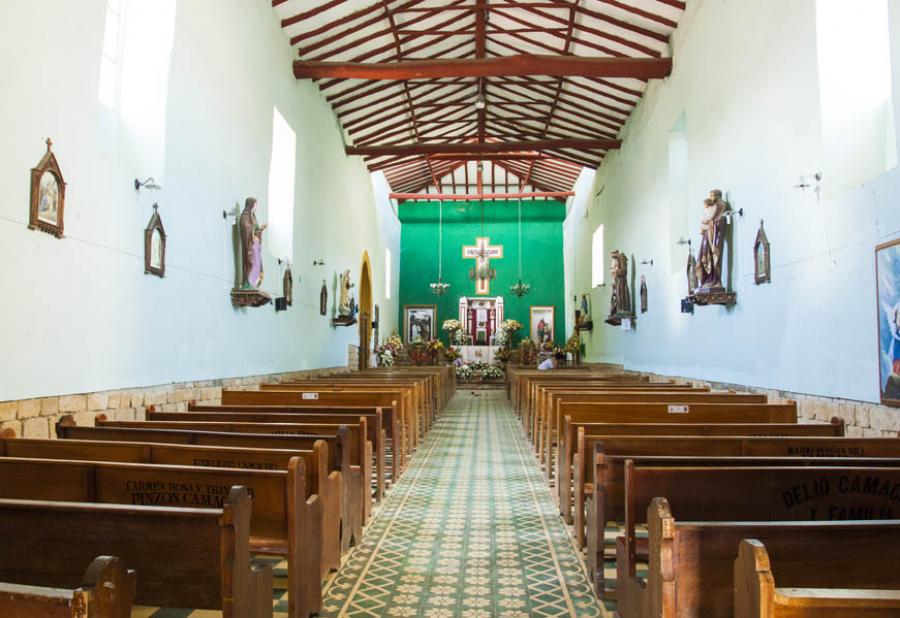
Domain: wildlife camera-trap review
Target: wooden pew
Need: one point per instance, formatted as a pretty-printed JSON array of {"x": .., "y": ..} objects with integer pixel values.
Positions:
[
  {"x": 680, "y": 409},
  {"x": 608, "y": 503},
  {"x": 384, "y": 417},
  {"x": 321, "y": 487},
  {"x": 351, "y": 509},
  {"x": 836, "y": 593},
  {"x": 183, "y": 557},
  {"x": 691, "y": 564},
  {"x": 419, "y": 410},
  {"x": 283, "y": 522},
  {"x": 707, "y": 446},
  {"x": 357, "y": 476},
  {"x": 292, "y": 398},
  {"x": 374, "y": 432},
  {"x": 582, "y": 435},
  {"x": 106, "y": 591}
]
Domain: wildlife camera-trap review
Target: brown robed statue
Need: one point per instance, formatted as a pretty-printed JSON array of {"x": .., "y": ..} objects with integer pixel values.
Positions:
[
  {"x": 708, "y": 269},
  {"x": 620, "y": 300}
]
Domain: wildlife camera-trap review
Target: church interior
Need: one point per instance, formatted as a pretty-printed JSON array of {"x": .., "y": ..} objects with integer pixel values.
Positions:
[{"x": 436, "y": 308}]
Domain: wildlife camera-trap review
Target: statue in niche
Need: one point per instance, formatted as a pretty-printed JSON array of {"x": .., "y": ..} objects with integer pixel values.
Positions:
[
  {"x": 620, "y": 299},
  {"x": 251, "y": 246},
  {"x": 323, "y": 299},
  {"x": 643, "y": 294},
  {"x": 347, "y": 307},
  {"x": 708, "y": 269}
]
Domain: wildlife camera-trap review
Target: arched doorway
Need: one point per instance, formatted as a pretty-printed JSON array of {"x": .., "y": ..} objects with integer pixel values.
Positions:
[{"x": 365, "y": 311}]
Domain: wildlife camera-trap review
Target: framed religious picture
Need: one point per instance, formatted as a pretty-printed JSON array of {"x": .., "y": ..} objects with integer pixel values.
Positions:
[
  {"x": 155, "y": 245},
  {"x": 542, "y": 324},
  {"x": 419, "y": 322},
  {"x": 887, "y": 277},
  {"x": 762, "y": 266},
  {"x": 48, "y": 195},
  {"x": 323, "y": 299}
]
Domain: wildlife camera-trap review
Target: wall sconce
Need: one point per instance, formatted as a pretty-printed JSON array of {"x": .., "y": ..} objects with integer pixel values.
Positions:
[
  {"x": 806, "y": 181},
  {"x": 147, "y": 184},
  {"x": 319, "y": 262},
  {"x": 646, "y": 262},
  {"x": 729, "y": 214}
]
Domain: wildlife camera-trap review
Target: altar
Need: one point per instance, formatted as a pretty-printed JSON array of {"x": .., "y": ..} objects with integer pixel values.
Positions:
[
  {"x": 480, "y": 318},
  {"x": 478, "y": 353}
]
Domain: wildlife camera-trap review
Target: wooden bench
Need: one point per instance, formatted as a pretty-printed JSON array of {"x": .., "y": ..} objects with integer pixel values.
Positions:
[
  {"x": 357, "y": 475},
  {"x": 371, "y": 423},
  {"x": 608, "y": 503},
  {"x": 707, "y": 446},
  {"x": 320, "y": 486},
  {"x": 385, "y": 417},
  {"x": 845, "y": 591},
  {"x": 401, "y": 448},
  {"x": 691, "y": 564},
  {"x": 351, "y": 509},
  {"x": 182, "y": 557},
  {"x": 680, "y": 408},
  {"x": 565, "y": 454},
  {"x": 106, "y": 591}
]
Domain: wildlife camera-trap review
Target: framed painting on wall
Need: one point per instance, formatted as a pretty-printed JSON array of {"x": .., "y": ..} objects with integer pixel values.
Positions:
[
  {"x": 419, "y": 322},
  {"x": 155, "y": 245},
  {"x": 542, "y": 324},
  {"x": 887, "y": 277},
  {"x": 48, "y": 195}
]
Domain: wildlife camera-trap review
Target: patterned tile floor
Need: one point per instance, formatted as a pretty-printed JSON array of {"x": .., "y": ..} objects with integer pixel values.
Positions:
[{"x": 470, "y": 530}]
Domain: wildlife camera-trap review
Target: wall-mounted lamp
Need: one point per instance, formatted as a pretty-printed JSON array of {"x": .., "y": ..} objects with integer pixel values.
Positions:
[
  {"x": 681, "y": 242},
  {"x": 319, "y": 262},
  {"x": 147, "y": 184},
  {"x": 647, "y": 262},
  {"x": 729, "y": 214},
  {"x": 284, "y": 261},
  {"x": 808, "y": 181},
  {"x": 480, "y": 102}
]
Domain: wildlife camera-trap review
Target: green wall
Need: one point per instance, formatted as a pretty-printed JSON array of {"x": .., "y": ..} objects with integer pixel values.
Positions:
[{"x": 542, "y": 256}]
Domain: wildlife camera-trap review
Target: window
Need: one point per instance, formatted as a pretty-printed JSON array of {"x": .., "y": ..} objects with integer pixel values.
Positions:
[
  {"x": 387, "y": 273},
  {"x": 597, "y": 260},
  {"x": 853, "y": 48},
  {"x": 109, "y": 56},
  {"x": 281, "y": 188}
]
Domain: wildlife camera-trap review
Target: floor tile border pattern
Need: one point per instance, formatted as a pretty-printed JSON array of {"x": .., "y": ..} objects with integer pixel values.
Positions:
[{"x": 508, "y": 511}]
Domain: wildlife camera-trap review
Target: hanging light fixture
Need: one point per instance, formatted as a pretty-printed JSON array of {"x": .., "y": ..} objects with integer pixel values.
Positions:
[
  {"x": 440, "y": 287},
  {"x": 520, "y": 289}
]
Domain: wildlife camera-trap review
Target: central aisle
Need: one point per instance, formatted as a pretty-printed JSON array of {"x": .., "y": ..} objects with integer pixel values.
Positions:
[{"x": 470, "y": 530}]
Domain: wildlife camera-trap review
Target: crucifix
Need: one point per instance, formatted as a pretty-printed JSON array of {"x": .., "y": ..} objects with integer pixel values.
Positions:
[{"x": 482, "y": 252}]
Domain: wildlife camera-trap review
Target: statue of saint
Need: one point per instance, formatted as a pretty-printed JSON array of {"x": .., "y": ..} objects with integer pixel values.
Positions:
[
  {"x": 585, "y": 309},
  {"x": 643, "y": 294},
  {"x": 251, "y": 246},
  {"x": 345, "y": 307},
  {"x": 323, "y": 299},
  {"x": 620, "y": 302},
  {"x": 712, "y": 242}
]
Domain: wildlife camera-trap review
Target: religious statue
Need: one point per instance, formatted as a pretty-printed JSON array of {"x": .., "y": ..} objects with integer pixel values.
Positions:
[
  {"x": 247, "y": 292},
  {"x": 712, "y": 242},
  {"x": 643, "y": 294},
  {"x": 708, "y": 269},
  {"x": 323, "y": 299},
  {"x": 251, "y": 246},
  {"x": 620, "y": 298},
  {"x": 346, "y": 304}
]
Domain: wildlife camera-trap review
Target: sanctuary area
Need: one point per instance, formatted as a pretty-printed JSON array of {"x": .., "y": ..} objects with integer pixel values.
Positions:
[{"x": 438, "y": 308}]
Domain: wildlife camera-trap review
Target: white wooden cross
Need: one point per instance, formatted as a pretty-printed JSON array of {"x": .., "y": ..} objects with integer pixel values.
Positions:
[{"x": 482, "y": 252}]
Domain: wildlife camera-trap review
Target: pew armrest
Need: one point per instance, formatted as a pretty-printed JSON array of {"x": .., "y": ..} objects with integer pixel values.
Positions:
[{"x": 263, "y": 586}]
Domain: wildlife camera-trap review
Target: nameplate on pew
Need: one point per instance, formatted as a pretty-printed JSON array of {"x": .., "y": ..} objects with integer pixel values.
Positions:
[
  {"x": 682, "y": 409},
  {"x": 310, "y": 395}
]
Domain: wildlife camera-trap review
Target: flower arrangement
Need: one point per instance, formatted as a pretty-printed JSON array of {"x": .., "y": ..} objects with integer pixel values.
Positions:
[
  {"x": 573, "y": 344},
  {"x": 435, "y": 346},
  {"x": 452, "y": 354},
  {"x": 527, "y": 352},
  {"x": 478, "y": 371},
  {"x": 503, "y": 355},
  {"x": 510, "y": 325},
  {"x": 394, "y": 343},
  {"x": 388, "y": 351},
  {"x": 451, "y": 326},
  {"x": 384, "y": 356}
]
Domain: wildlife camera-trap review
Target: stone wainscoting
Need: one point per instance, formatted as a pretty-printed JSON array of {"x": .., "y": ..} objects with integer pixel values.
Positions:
[
  {"x": 37, "y": 418},
  {"x": 862, "y": 418}
]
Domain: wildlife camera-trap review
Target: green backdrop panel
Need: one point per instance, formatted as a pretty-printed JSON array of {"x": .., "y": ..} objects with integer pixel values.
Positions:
[{"x": 542, "y": 257}]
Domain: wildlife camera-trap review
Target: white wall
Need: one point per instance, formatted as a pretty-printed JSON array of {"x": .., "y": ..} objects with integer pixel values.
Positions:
[
  {"x": 745, "y": 79},
  {"x": 78, "y": 313}
]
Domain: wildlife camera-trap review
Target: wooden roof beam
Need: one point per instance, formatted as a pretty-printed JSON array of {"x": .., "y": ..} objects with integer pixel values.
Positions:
[
  {"x": 486, "y": 147},
  {"x": 558, "y": 66}
]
